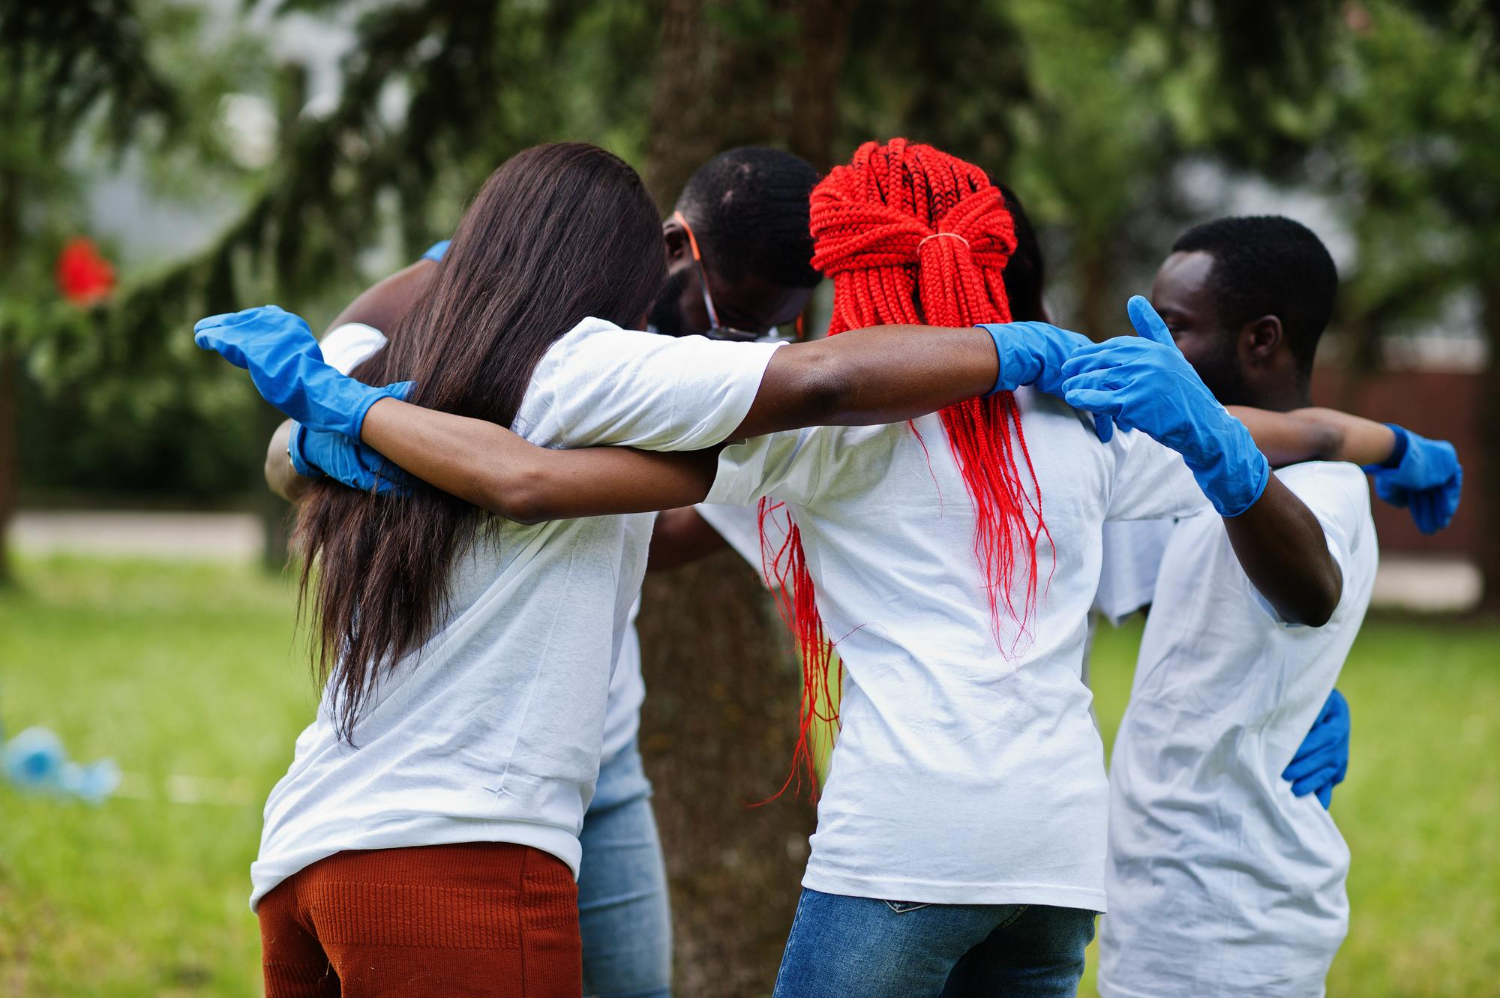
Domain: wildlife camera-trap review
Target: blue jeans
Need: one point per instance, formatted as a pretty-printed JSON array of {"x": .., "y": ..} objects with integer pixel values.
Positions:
[
  {"x": 623, "y": 912},
  {"x": 843, "y": 946}
]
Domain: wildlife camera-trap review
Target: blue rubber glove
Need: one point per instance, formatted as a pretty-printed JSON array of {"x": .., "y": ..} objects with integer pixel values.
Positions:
[
  {"x": 1322, "y": 760},
  {"x": 1033, "y": 353},
  {"x": 316, "y": 453},
  {"x": 436, "y": 250},
  {"x": 1424, "y": 476},
  {"x": 284, "y": 361},
  {"x": 1145, "y": 383}
]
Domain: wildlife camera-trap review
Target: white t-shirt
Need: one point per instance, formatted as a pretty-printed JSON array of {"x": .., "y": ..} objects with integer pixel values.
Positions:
[
  {"x": 960, "y": 775},
  {"x": 627, "y": 690},
  {"x": 345, "y": 348},
  {"x": 739, "y": 525},
  {"x": 1220, "y": 881},
  {"x": 493, "y": 731},
  {"x": 740, "y": 528},
  {"x": 1132, "y": 556}
]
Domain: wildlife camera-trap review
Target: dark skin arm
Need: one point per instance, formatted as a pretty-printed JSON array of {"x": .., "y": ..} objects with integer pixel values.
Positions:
[
  {"x": 1267, "y": 543},
  {"x": 379, "y": 306},
  {"x": 1316, "y": 434},
  {"x": 682, "y": 537},
  {"x": 1278, "y": 540},
  {"x": 866, "y": 376},
  {"x": 503, "y": 473},
  {"x": 281, "y": 477},
  {"x": 386, "y": 301},
  {"x": 1281, "y": 547}
]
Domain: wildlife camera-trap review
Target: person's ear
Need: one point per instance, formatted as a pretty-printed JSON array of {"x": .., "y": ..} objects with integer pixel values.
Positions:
[
  {"x": 679, "y": 247},
  {"x": 1261, "y": 339}
]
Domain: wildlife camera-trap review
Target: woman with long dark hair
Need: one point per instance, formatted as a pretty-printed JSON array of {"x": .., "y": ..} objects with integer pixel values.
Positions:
[
  {"x": 427, "y": 826},
  {"x": 426, "y": 831}
]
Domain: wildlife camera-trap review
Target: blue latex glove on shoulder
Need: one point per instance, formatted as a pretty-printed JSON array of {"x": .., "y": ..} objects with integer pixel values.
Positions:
[
  {"x": 1145, "y": 383},
  {"x": 1033, "y": 353},
  {"x": 284, "y": 361},
  {"x": 319, "y": 453},
  {"x": 1322, "y": 760},
  {"x": 1424, "y": 476},
  {"x": 436, "y": 250}
]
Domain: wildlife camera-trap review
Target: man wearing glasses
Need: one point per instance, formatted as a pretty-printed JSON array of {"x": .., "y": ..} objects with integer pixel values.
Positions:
[{"x": 738, "y": 268}]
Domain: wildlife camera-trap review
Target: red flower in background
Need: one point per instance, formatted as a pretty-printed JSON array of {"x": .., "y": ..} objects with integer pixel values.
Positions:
[{"x": 83, "y": 276}]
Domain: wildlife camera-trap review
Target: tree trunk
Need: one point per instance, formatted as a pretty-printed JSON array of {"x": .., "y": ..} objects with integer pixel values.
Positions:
[
  {"x": 1487, "y": 495},
  {"x": 10, "y": 358},
  {"x": 710, "y": 92},
  {"x": 719, "y": 726},
  {"x": 717, "y": 731},
  {"x": 10, "y": 384},
  {"x": 813, "y": 82},
  {"x": 1098, "y": 311}
]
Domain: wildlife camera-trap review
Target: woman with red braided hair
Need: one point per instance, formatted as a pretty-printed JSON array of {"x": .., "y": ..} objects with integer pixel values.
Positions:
[{"x": 961, "y": 831}]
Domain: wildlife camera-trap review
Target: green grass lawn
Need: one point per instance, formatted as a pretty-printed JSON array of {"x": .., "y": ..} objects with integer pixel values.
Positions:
[{"x": 187, "y": 675}]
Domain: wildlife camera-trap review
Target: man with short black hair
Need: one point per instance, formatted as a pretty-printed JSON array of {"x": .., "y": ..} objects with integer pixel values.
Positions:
[
  {"x": 1264, "y": 286},
  {"x": 1221, "y": 881},
  {"x": 738, "y": 248}
]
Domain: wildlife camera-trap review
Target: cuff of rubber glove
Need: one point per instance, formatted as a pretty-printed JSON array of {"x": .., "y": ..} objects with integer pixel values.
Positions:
[
  {"x": 295, "y": 451},
  {"x": 1398, "y": 452},
  {"x": 1243, "y": 494},
  {"x": 357, "y": 417},
  {"x": 998, "y": 331}
]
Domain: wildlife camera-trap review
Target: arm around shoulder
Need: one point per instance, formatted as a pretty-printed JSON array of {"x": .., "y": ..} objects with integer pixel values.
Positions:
[{"x": 281, "y": 477}]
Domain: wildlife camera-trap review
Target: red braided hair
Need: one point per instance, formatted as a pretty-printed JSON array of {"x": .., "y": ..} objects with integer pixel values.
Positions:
[{"x": 911, "y": 235}]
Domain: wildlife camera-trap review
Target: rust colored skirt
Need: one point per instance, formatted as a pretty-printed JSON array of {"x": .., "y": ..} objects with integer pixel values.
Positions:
[{"x": 492, "y": 919}]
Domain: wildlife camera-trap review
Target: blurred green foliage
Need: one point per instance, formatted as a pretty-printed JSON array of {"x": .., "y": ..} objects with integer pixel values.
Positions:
[{"x": 1089, "y": 108}]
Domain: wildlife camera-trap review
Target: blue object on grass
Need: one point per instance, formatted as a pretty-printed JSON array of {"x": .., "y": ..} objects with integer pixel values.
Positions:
[
  {"x": 1145, "y": 383},
  {"x": 93, "y": 782},
  {"x": 287, "y": 366},
  {"x": 36, "y": 760}
]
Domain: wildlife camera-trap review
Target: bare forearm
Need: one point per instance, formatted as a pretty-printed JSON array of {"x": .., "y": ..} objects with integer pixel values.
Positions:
[
  {"x": 884, "y": 374},
  {"x": 1316, "y": 435},
  {"x": 682, "y": 537},
  {"x": 386, "y": 301},
  {"x": 1361, "y": 441},
  {"x": 879, "y": 375},
  {"x": 493, "y": 468},
  {"x": 1281, "y": 547},
  {"x": 281, "y": 477}
]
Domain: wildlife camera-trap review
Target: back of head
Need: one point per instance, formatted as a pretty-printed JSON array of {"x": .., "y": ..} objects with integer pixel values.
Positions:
[
  {"x": 1268, "y": 265},
  {"x": 558, "y": 233},
  {"x": 912, "y": 235},
  {"x": 748, "y": 209}
]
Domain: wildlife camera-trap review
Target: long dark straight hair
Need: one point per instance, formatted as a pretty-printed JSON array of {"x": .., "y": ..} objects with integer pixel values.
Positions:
[{"x": 557, "y": 234}]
